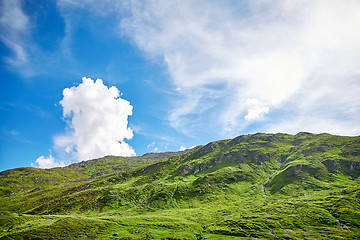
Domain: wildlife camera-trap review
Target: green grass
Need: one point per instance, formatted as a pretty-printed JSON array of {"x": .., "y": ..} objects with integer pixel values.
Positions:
[{"x": 211, "y": 192}]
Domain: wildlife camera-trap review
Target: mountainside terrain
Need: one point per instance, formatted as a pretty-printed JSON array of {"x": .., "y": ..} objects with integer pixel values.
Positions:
[{"x": 267, "y": 186}]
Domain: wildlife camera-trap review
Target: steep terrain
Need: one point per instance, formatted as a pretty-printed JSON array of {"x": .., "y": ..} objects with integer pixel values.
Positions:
[{"x": 304, "y": 186}]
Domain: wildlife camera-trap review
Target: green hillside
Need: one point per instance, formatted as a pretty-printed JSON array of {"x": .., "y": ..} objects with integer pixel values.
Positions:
[{"x": 260, "y": 186}]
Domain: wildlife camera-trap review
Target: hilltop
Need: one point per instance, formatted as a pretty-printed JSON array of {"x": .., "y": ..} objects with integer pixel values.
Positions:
[{"x": 303, "y": 186}]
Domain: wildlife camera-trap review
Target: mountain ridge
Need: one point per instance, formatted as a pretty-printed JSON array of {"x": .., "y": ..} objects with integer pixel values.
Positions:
[{"x": 244, "y": 187}]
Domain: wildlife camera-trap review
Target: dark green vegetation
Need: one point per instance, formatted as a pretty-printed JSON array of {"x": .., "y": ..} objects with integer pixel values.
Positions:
[{"x": 267, "y": 186}]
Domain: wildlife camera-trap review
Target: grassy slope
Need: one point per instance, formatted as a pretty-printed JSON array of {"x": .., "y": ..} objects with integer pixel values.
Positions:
[{"x": 212, "y": 192}]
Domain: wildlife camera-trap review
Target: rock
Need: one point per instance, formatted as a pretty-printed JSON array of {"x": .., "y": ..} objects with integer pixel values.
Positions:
[
  {"x": 235, "y": 141},
  {"x": 35, "y": 190},
  {"x": 355, "y": 166},
  {"x": 186, "y": 168},
  {"x": 205, "y": 150},
  {"x": 99, "y": 174}
]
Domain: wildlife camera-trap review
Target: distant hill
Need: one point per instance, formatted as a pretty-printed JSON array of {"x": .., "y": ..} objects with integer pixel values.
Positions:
[
  {"x": 269, "y": 186},
  {"x": 111, "y": 164}
]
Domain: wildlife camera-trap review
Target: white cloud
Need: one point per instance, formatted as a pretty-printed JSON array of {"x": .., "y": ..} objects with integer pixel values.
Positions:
[
  {"x": 12, "y": 15},
  {"x": 13, "y": 25},
  {"x": 182, "y": 148},
  {"x": 311, "y": 124},
  {"x": 97, "y": 121},
  {"x": 151, "y": 147},
  {"x": 47, "y": 162},
  {"x": 298, "y": 55},
  {"x": 299, "y": 59},
  {"x": 256, "y": 109}
]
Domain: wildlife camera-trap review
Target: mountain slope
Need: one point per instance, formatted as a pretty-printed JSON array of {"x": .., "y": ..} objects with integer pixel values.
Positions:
[{"x": 261, "y": 185}]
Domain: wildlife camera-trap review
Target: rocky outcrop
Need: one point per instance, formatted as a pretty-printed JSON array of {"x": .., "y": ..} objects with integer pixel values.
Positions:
[
  {"x": 152, "y": 167},
  {"x": 235, "y": 141},
  {"x": 99, "y": 174},
  {"x": 237, "y": 157},
  {"x": 354, "y": 166},
  {"x": 210, "y": 147},
  {"x": 185, "y": 169},
  {"x": 343, "y": 166}
]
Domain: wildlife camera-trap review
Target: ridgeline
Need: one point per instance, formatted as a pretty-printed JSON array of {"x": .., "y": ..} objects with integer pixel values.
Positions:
[{"x": 262, "y": 186}]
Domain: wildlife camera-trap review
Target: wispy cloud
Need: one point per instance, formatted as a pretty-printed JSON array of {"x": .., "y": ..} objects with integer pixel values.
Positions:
[
  {"x": 28, "y": 56},
  {"x": 294, "y": 55},
  {"x": 250, "y": 63},
  {"x": 14, "y": 27},
  {"x": 16, "y": 136},
  {"x": 152, "y": 147},
  {"x": 37, "y": 110}
]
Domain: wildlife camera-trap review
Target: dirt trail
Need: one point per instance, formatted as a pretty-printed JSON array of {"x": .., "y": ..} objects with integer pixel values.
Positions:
[{"x": 263, "y": 185}]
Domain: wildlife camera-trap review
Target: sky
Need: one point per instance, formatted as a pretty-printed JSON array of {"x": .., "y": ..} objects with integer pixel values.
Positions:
[{"x": 84, "y": 79}]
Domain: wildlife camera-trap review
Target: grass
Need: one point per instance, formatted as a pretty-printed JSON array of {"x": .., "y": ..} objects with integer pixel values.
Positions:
[{"x": 211, "y": 192}]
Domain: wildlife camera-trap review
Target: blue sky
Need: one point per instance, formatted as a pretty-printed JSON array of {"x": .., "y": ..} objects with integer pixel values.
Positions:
[{"x": 175, "y": 74}]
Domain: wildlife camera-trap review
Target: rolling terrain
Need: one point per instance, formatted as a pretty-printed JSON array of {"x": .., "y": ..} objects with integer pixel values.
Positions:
[{"x": 259, "y": 186}]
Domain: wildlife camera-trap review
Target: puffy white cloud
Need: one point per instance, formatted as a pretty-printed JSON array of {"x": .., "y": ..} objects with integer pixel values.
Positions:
[
  {"x": 182, "y": 148},
  {"x": 47, "y": 162},
  {"x": 97, "y": 121},
  {"x": 256, "y": 109}
]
